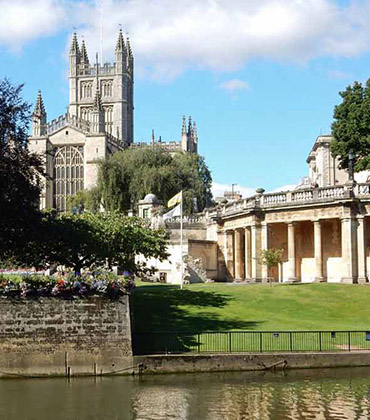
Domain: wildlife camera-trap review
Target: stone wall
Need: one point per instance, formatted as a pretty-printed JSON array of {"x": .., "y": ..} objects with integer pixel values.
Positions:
[
  {"x": 51, "y": 336},
  {"x": 249, "y": 362}
]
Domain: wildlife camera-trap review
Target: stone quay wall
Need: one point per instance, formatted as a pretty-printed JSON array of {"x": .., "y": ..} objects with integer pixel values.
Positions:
[
  {"x": 237, "y": 362},
  {"x": 54, "y": 337}
]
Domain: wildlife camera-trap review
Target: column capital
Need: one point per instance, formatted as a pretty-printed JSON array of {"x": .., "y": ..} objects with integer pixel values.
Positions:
[
  {"x": 291, "y": 223},
  {"x": 318, "y": 221}
]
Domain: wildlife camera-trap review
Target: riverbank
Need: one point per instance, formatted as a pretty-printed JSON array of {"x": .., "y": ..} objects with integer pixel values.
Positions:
[
  {"x": 196, "y": 363},
  {"x": 249, "y": 362}
]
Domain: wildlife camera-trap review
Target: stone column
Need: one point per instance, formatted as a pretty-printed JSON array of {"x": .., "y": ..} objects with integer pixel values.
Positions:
[
  {"x": 247, "y": 254},
  {"x": 238, "y": 255},
  {"x": 255, "y": 250},
  {"x": 318, "y": 251},
  {"x": 349, "y": 250},
  {"x": 226, "y": 255},
  {"x": 361, "y": 250},
  {"x": 230, "y": 255},
  {"x": 291, "y": 253},
  {"x": 264, "y": 245}
]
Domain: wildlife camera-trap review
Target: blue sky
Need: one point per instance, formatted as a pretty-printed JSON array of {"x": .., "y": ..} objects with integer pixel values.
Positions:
[{"x": 261, "y": 78}]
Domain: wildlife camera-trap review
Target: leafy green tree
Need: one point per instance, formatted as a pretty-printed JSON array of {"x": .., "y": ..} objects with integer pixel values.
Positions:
[
  {"x": 94, "y": 240},
  {"x": 351, "y": 128},
  {"x": 271, "y": 257},
  {"x": 88, "y": 199},
  {"x": 20, "y": 173},
  {"x": 128, "y": 176}
]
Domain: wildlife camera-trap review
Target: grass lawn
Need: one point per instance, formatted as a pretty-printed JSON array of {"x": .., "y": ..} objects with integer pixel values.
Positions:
[{"x": 222, "y": 306}]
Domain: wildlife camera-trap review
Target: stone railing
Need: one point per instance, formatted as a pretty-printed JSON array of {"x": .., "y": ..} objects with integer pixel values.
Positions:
[
  {"x": 362, "y": 189},
  {"x": 158, "y": 221},
  {"x": 67, "y": 119},
  {"x": 296, "y": 197},
  {"x": 170, "y": 146}
]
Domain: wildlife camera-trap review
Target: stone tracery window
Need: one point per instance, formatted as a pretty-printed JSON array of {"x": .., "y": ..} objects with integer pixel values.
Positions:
[
  {"x": 108, "y": 115},
  {"x": 85, "y": 113},
  {"x": 86, "y": 89},
  {"x": 68, "y": 174},
  {"x": 106, "y": 87}
]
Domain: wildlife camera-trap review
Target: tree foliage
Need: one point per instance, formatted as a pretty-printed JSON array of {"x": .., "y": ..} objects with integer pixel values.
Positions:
[
  {"x": 20, "y": 172},
  {"x": 351, "y": 128},
  {"x": 127, "y": 176},
  {"x": 94, "y": 240},
  {"x": 271, "y": 257}
]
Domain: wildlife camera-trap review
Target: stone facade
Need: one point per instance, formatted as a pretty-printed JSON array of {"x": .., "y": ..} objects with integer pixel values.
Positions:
[
  {"x": 50, "y": 335},
  {"x": 98, "y": 123},
  {"x": 324, "y": 232}
]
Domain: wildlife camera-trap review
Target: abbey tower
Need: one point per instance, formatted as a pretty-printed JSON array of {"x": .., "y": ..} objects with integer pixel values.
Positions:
[
  {"x": 98, "y": 123},
  {"x": 113, "y": 81}
]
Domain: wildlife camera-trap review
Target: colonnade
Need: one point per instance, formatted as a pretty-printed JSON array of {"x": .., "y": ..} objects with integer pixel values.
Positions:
[{"x": 242, "y": 249}]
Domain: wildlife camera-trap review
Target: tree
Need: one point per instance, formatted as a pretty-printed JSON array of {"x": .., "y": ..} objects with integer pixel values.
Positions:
[
  {"x": 94, "y": 240},
  {"x": 351, "y": 128},
  {"x": 271, "y": 257},
  {"x": 127, "y": 176},
  {"x": 20, "y": 173}
]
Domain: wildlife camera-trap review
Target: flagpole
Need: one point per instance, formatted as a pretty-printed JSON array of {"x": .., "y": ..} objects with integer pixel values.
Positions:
[{"x": 181, "y": 247}]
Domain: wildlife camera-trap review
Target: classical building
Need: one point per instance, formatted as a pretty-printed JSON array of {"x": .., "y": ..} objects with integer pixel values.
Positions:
[
  {"x": 323, "y": 227},
  {"x": 98, "y": 123}
]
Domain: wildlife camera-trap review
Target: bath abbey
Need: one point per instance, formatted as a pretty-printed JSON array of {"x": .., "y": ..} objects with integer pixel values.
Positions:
[
  {"x": 322, "y": 226},
  {"x": 99, "y": 122}
]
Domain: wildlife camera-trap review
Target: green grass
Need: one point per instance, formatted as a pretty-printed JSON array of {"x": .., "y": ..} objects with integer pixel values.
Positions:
[{"x": 217, "y": 307}]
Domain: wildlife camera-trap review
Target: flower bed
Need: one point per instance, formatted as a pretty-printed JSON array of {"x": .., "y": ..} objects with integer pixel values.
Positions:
[{"x": 65, "y": 286}]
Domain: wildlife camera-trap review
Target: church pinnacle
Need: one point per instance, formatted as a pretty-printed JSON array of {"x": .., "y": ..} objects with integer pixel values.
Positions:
[
  {"x": 39, "y": 117},
  {"x": 75, "y": 49},
  {"x": 183, "y": 129},
  {"x": 39, "y": 110},
  {"x": 120, "y": 46},
  {"x": 84, "y": 56}
]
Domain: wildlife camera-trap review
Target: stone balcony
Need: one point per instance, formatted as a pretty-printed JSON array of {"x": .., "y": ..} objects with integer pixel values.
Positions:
[{"x": 296, "y": 198}]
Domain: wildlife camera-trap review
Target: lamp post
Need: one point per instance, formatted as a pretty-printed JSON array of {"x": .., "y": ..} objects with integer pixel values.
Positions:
[{"x": 350, "y": 165}]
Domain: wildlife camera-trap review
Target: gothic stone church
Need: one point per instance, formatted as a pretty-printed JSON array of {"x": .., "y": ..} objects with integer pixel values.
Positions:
[{"x": 98, "y": 123}]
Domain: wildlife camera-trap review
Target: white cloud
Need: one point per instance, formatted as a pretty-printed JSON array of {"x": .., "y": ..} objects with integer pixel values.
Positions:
[
  {"x": 234, "y": 85},
  {"x": 170, "y": 36},
  {"x": 25, "y": 20}
]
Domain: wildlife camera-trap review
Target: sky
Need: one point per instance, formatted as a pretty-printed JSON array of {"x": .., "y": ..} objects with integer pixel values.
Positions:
[{"x": 260, "y": 77}]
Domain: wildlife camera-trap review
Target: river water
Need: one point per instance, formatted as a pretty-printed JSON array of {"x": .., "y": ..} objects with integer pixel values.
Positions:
[{"x": 308, "y": 394}]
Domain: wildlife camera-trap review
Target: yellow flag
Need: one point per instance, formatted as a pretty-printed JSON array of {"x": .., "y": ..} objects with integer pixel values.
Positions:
[{"x": 175, "y": 199}]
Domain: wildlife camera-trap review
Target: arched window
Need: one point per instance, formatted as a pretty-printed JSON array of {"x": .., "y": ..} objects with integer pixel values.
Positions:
[{"x": 68, "y": 174}]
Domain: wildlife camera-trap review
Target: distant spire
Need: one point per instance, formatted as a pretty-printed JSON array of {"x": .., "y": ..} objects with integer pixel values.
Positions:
[
  {"x": 39, "y": 107},
  {"x": 84, "y": 56},
  {"x": 129, "y": 51},
  {"x": 153, "y": 137},
  {"x": 120, "y": 46},
  {"x": 190, "y": 126},
  {"x": 183, "y": 130},
  {"x": 195, "y": 131},
  {"x": 97, "y": 100},
  {"x": 74, "y": 46}
]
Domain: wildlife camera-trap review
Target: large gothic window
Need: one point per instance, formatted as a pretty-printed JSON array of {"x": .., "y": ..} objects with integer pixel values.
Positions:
[{"x": 68, "y": 174}]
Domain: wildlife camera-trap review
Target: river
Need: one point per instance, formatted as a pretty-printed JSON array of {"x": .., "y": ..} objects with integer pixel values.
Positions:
[{"x": 305, "y": 394}]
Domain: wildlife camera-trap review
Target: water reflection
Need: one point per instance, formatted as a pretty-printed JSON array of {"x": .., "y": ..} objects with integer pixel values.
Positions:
[{"x": 321, "y": 394}]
